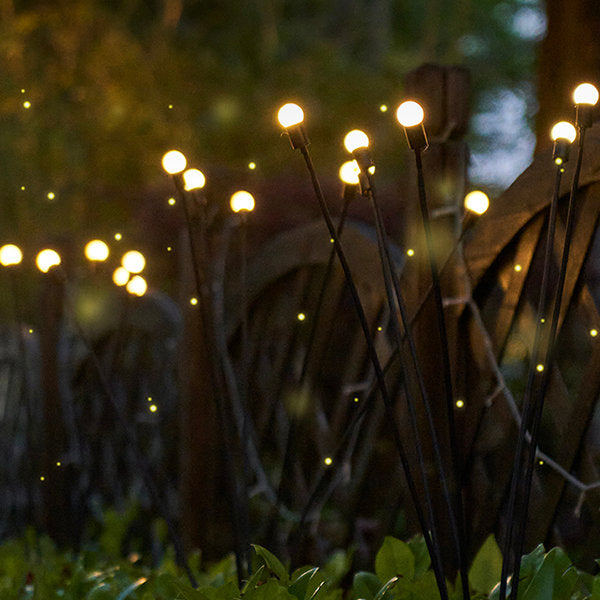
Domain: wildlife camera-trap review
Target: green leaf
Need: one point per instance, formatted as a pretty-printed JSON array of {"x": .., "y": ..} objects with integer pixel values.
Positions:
[
  {"x": 596, "y": 588},
  {"x": 386, "y": 588},
  {"x": 426, "y": 587},
  {"x": 337, "y": 567},
  {"x": 272, "y": 563},
  {"x": 394, "y": 558},
  {"x": 271, "y": 590},
  {"x": 487, "y": 567},
  {"x": 131, "y": 588},
  {"x": 365, "y": 585},
  {"x": 168, "y": 585},
  {"x": 421, "y": 553},
  {"x": 306, "y": 583},
  {"x": 542, "y": 584}
]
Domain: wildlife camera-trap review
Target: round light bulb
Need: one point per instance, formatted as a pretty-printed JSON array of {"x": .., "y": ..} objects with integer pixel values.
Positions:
[
  {"x": 10, "y": 255},
  {"x": 349, "y": 172},
  {"x": 477, "y": 202},
  {"x": 46, "y": 259},
  {"x": 133, "y": 261},
  {"x": 585, "y": 93},
  {"x": 356, "y": 139},
  {"x": 96, "y": 251},
  {"x": 193, "y": 179},
  {"x": 137, "y": 286},
  {"x": 290, "y": 114},
  {"x": 410, "y": 113},
  {"x": 174, "y": 162},
  {"x": 563, "y": 130},
  {"x": 120, "y": 276},
  {"x": 242, "y": 200}
]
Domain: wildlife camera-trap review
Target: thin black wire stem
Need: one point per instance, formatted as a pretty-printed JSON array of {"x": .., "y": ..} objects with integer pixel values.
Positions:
[
  {"x": 511, "y": 557},
  {"x": 393, "y": 294},
  {"x": 348, "y": 196},
  {"x": 409, "y": 338},
  {"x": 143, "y": 465},
  {"x": 241, "y": 545},
  {"x": 548, "y": 360},
  {"x": 440, "y": 579},
  {"x": 446, "y": 372}
]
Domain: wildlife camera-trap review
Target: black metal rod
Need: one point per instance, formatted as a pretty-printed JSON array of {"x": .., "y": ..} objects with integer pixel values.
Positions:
[
  {"x": 511, "y": 557},
  {"x": 538, "y": 404},
  {"x": 446, "y": 371},
  {"x": 440, "y": 579},
  {"x": 393, "y": 294}
]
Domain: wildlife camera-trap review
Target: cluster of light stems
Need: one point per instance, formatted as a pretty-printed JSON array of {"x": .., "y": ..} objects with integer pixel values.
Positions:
[
  {"x": 189, "y": 184},
  {"x": 540, "y": 367},
  {"x": 410, "y": 115}
]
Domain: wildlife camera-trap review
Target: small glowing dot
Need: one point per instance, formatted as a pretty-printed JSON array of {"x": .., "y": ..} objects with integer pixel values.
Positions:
[
  {"x": 172, "y": 201},
  {"x": 26, "y": 104},
  {"x": 518, "y": 268},
  {"x": 383, "y": 108},
  {"x": 169, "y": 248},
  {"x": 542, "y": 320},
  {"x": 380, "y": 328},
  {"x": 22, "y": 188},
  {"x": 149, "y": 398},
  {"x": 42, "y": 478},
  {"x": 593, "y": 332},
  {"x": 31, "y": 331},
  {"x": 58, "y": 463},
  {"x": 356, "y": 399},
  {"x": 50, "y": 195},
  {"x": 301, "y": 316},
  {"x": 331, "y": 240},
  {"x": 193, "y": 301},
  {"x": 153, "y": 408},
  {"x": 540, "y": 462},
  {"x": 170, "y": 106},
  {"x": 328, "y": 461},
  {"x": 460, "y": 404},
  {"x": 252, "y": 166},
  {"x": 118, "y": 237},
  {"x": 22, "y": 90},
  {"x": 539, "y": 368},
  {"x": 410, "y": 252}
]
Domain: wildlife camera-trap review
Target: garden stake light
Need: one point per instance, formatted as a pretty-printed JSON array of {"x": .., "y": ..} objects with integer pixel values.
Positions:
[
  {"x": 585, "y": 97},
  {"x": 357, "y": 143},
  {"x": 291, "y": 117},
  {"x": 410, "y": 115},
  {"x": 563, "y": 134},
  {"x": 174, "y": 163}
]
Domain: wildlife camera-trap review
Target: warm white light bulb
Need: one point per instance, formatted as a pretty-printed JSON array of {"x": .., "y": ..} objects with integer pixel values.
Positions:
[
  {"x": 193, "y": 179},
  {"x": 563, "y": 130},
  {"x": 133, "y": 261},
  {"x": 349, "y": 172},
  {"x": 356, "y": 139},
  {"x": 242, "y": 200},
  {"x": 585, "y": 93},
  {"x": 46, "y": 259},
  {"x": 120, "y": 276},
  {"x": 477, "y": 202},
  {"x": 137, "y": 286},
  {"x": 10, "y": 255},
  {"x": 174, "y": 162},
  {"x": 96, "y": 251},
  {"x": 410, "y": 113},
  {"x": 290, "y": 114}
]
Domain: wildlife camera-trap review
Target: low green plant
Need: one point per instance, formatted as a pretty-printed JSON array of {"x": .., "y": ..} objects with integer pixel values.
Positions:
[{"x": 32, "y": 568}]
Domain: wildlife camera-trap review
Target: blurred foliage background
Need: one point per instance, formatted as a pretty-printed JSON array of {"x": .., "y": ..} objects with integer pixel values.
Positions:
[{"x": 92, "y": 94}]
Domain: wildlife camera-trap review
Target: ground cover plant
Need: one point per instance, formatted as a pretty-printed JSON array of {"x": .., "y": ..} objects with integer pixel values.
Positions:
[{"x": 32, "y": 567}]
